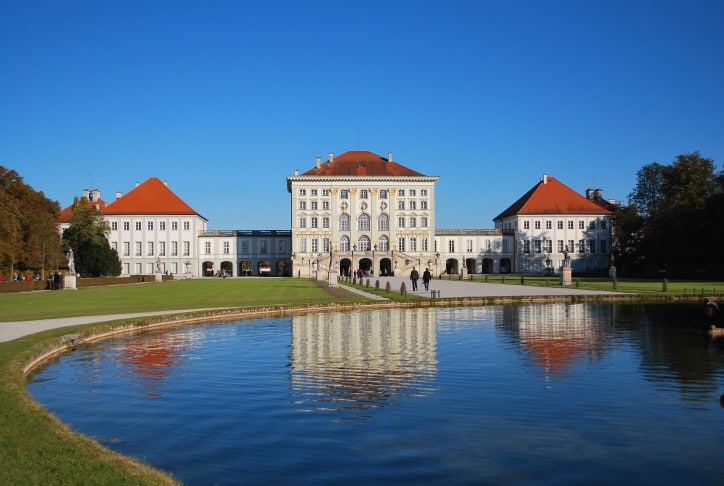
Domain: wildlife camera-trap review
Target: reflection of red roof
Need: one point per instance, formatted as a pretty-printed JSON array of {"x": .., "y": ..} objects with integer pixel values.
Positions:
[
  {"x": 361, "y": 163},
  {"x": 150, "y": 197},
  {"x": 551, "y": 196},
  {"x": 554, "y": 355},
  {"x": 66, "y": 213}
]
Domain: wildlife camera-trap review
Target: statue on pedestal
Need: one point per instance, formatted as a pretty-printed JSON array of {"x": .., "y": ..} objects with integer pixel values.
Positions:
[{"x": 71, "y": 261}]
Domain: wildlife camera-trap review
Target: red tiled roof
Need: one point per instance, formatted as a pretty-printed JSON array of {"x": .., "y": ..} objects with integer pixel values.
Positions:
[
  {"x": 150, "y": 197},
  {"x": 66, "y": 213},
  {"x": 361, "y": 163},
  {"x": 550, "y": 196}
]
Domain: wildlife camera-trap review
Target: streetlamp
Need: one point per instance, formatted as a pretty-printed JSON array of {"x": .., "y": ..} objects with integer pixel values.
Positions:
[{"x": 374, "y": 264}]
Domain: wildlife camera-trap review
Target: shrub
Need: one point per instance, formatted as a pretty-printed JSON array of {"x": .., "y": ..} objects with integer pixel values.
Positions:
[
  {"x": 377, "y": 285},
  {"x": 387, "y": 286}
]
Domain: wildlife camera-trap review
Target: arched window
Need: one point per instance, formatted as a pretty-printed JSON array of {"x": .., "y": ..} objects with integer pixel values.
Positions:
[
  {"x": 344, "y": 222},
  {"x": 384, "y": 244},
  {"x": 383, "y": 223},
  {"x": 344, "y": 243},
  {"x": 363, "y": 244},
  {"x": 363, "y": 222}
]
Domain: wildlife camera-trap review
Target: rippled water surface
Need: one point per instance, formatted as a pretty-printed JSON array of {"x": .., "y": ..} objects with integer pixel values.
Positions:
[{"x": 541, "y": 394}]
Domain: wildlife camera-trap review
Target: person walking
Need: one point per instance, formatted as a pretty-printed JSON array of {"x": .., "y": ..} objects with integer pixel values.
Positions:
[
  {"x": 426, "y": 278},
  {"x": 414, "y": 276}
]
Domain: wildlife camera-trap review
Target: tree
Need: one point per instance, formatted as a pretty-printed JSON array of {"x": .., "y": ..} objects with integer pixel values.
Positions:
[
  {"x": 676, "y": 204},
  {"x": 86, "y": 236},
  {"x": 29, "y": 238}
]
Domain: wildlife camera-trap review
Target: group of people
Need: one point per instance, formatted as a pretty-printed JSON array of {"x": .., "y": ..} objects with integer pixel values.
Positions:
[{"x": 415, "y": 276}]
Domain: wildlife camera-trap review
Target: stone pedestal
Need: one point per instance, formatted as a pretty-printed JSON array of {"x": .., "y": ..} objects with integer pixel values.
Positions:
[
  {"x": 69, "y": 282},
  {"x": 158, "y": 277},
  {"x": 612, "y": 272},
  {"x": 566, "y": 276},
  {"x": 332, "y": 279}
]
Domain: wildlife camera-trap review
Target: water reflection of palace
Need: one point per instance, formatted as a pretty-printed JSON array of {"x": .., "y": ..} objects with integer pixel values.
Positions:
[
  {"x": 359, "y": 360},
  {"x": 557, "y": 335}
]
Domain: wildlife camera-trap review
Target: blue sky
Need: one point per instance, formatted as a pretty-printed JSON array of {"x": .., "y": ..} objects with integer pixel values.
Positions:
[{"x": 225, "y": 99}]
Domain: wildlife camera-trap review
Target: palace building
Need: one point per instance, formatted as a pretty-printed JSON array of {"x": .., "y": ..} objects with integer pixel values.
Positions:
[{"x": 358, "y": 211}]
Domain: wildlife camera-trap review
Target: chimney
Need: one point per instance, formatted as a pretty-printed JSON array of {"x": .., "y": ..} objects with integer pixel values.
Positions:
[
  {"x": 165, "y": 183},
  {"x": 331, "y": 157},
  {"x": 319, "y": 162},
  {"x": 389, "y": 156},
  {"x": 118, "y": 194},
  {"x": 598, "y": 194},
  {"x": 296, "y": 172},
  {"x": 95, "y": 195},
  {"x": 86, "y": 194},
  {"x": 545, "y": 179},
  {"x": 589, "y": 194},
  {"x": 138, "y": 183}
]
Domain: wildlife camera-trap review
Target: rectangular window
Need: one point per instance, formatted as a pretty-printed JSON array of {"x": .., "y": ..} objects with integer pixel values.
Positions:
[
  {"x": 581, "y": 246},
  {"x": 603, "y": 224},
  {"x": 174, "y": 248},
  {"x": 245, "y": 247},
  {"x": 487, "y": 246},
  {"x": 344, "y": 194},
  {"x": 560, "y": 246},
  {"x": 537, "y": 225},
  {"x": 187, "y": 248},
  {"x": 364, "y": 194},
  {"x": 126, "y": 248},
  {"x": 571, "y": 246},
  {"x": 126, "y": 269},
  {"x": 451, "y": 246},
  {"x": 526, "y": 246},
  {"x": 383, "y": 193},
  {"x": 423, "y": 204},
  {"x": 592, "y": 224},
  {"x": 423, "y": 192},
  {"x": 581, "y": 225},
  {"x": 126, "y": 226},
  {"x": 149, "y": 225},
  {"x": 505, "y": 246},
  {"x": 138, "y": 226},
  {"x": 325, "y": 245},
  {"x": 314, "y": 192},
  {"x": 526, "y": 224},
  {"x": 139, "y": 248},
  {"x": 537, "y": 246},
  {"x": 302, "y": 245},
  {"x": 114, "y": 226},
  {"x": 401, "y": 222},
  {"x": 400, "y": 204},
  {"x": 262, "y": 246},
  {"x": 412, "y": 192},
  {"x": 314, "y": 221},
  {"x": 303, "y": 205},
  {"x": 603, "y": 246},
  {"x": 162, "y": 225},
  {"x": 413, "y": 244},
  {"x": 413, "y": 222},
  {"x": 423, "y": 222},
  {"x": 325, "y": 205},
  {"x": 174, "y": 267},
  {"x": 570, "y": 224},
  {"x": 424, "y": 244},
  {"x": 207, "y": 247},
  {"x": 150, "y": 268},
  {"x": 325, "y": 192},
  {"x": 187, "y": 226},
  {"x": 302, "y": 222},
  {"x": 139, "y": 269},
  {"x": 549, "y": 225},
  {"x": 401, "y": 192},
  {"x": 315, "y": 245},
  {"x": 150, "y": 248},
  {"x": 325, "y": 222},
  {"x": 469, "y": 246},
  {"x": 401, "y": 244},
  {"x": 174, "y": 225},
  {"x": 282, "y": 247},
  {"x": 314, "y": 205},
  {"x": 161, "y": 248},
  {"x": 592, "y": 246},
  {"x": 413, "y": 205},
  {"x": 302, "y": 192},
  {"x": 560, "y": 224},
  {"x": 114, "y": 246},
  {"x": 548, "y": 245}
]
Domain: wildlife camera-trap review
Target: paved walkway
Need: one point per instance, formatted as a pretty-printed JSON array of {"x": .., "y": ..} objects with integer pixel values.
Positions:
[{"x": 447, "y": 288}]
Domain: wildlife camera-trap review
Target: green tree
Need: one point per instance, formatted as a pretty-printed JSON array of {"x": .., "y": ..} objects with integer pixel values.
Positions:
[{"x": 86, "y": 236}]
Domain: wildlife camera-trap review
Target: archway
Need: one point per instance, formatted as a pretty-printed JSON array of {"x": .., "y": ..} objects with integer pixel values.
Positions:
[
  {"x": 264, "y": 268},
  {"x": 207, "y": 269},
  {"x": 505, "y": 266},
  {"x": 227, "y": 269},
  {"x": 345, "y": 267},
  {"x": 244, "y": 268},
  {"x": 451, "y": 266},
  {"x": 488, "y": 265},
  {"x": 385, "y": 267},
  {"x": 471, "y": 265},
  {"x": 283, "y": 268},
  {"x": 365, "y": 264}
]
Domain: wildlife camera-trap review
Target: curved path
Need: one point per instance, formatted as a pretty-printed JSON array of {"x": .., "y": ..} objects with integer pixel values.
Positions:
[{"x": 447, "y": 289}]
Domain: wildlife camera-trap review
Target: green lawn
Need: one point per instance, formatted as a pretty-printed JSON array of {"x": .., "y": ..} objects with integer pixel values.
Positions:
[{"x": 170, "y": 295}]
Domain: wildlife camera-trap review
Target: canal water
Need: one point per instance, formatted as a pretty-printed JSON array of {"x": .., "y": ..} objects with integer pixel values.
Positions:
[{"x": 518, "y": 394}]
